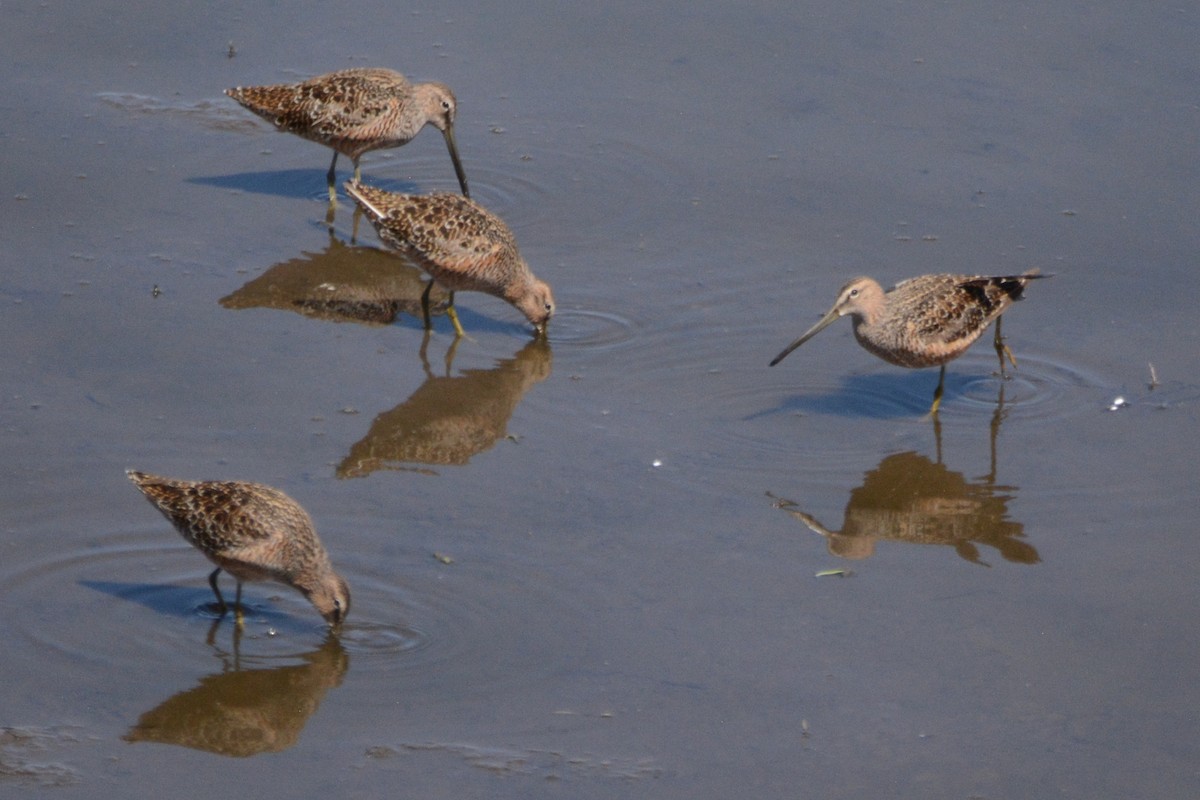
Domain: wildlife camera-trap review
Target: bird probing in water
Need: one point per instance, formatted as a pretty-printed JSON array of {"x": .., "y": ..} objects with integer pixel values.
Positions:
[
  {"x": 924, "y": 321},
  {"x": 253, "y": 532},
  {"x": 462, "y": 245},
  {"x": 355, "y": 111}
]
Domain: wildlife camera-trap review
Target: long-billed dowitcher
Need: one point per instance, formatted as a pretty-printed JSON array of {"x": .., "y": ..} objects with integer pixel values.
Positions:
[
  {"x": 925, "y": 321},
  {"x": 355, "y": 111},
  {"x": 462, "y": 245},
  {"x": 253, "y": 532}
]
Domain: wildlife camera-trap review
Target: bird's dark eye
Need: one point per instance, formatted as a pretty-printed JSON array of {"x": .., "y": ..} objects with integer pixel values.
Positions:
[
  {"x": 446, "y": 105},
  {"x": 854, "y": 292}
]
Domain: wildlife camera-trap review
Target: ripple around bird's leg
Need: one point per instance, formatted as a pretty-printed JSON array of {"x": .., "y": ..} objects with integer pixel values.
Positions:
[
  {"x": 145, "y": 602},
  {"x": 1038, "y": 389}
]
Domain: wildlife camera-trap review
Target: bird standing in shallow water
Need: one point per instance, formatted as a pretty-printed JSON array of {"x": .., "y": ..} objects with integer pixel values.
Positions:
[
  {"x": 253, "y": 532},
  {"x": 355, "y": 111},
  {"x": 462, "y": 245},
  {"x": 924, "y": 321}
]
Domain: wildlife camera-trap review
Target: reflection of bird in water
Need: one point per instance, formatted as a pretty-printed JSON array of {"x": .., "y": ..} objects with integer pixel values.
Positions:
[
  {"x": 924, "y": 321},
  {"x": 245, "y": 712},
  {"x": 253, "y": 532},
  {"x": 450, "y": 419},
  {"x": 355, "y": 111},
  {"x": 463, "y": 246},
  {"x": 342, "y": 284},
  {"x": 908, "y": 498}
]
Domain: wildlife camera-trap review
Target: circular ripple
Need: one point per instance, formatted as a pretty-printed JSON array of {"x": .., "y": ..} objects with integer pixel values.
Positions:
[
  {"x": 535, "y": 184},
  {"x": 118, "y": 601},
  {"x": 468, "y": 622},
  {"x": 146, "y": 601},
  {"x": 590, "y": 329},
  {"x": 1038, "y": 390},
  {"x": 373, "y": 638},
  {"x": 407, "y": 172}
]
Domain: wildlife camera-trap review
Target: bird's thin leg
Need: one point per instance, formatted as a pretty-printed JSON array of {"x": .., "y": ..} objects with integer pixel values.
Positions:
[
  {"x": 358, "y": 212},
  {"x": 937, "y": 436},
  {"x": 211, "y": 638},
  {"x": 453, "y": 315},
  {"x": 331, "y": 177},
  {"x": 450, "y": 354},
  {"x": 237, "y": 606},
  {"x": 212, "y": 581},
  {"x": 937, "y": 394},
  {"x": 425, "y": 305},
  {"x": 357, "y": 172},
  {"x": 424, "y": 353},
  {"x": 1002, "y": 349}
]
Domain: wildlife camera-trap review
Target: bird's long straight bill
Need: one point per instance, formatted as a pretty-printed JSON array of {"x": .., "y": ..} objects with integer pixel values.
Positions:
[
  {"x": 811, "y": 332},
  {"x": 458, "y": 167}
]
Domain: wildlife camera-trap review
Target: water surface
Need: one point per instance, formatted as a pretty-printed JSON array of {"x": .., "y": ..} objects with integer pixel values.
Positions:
[{"x": 574, "y": 569}]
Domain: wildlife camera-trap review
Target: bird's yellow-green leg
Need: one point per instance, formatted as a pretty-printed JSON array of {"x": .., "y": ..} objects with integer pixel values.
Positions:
[
  {"x": 1002, "y": 349},
  {"x": 331, "y": 177},
  {"x": 450, "y": 312},
  {"x": 237, "y": 607},
  {"x": 453, "y": 315},
  {"x": 450, "y": 351},
  {"x": 937, "y": 394}
]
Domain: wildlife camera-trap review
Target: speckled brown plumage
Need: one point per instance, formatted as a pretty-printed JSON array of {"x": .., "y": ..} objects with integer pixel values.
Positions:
[
  {"x": 355, "y": 111},
  {"x": 924, "y": 321},
  {"x": 462, "y": 245},
  {"x": 253, "y": 532}
]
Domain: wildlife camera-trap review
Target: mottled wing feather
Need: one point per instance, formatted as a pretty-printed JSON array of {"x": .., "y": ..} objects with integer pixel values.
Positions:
[
  {"x": 351, "y": 106},
  {"x": 356, "y": 112},
  {"x": 226, "y": 518},
  {"x": 442, "y": 230},
  {"x": 949, "y": 316},
  {"x": 952, "y": 309}
]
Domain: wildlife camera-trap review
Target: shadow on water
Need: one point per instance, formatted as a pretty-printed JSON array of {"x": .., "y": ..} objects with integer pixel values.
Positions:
[
  {"x": 911, "y": 498},
  {"x": 243, "y": 712},
  {"x": 184, "y": 602},
  {"x": 880, "y": 395},
  {"x": 449, "y": 419},
  {"x": 172, "y": 601}
]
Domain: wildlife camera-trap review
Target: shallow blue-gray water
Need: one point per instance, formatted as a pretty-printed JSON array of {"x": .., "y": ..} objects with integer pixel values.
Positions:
[{"x": 631, "y": 560}]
